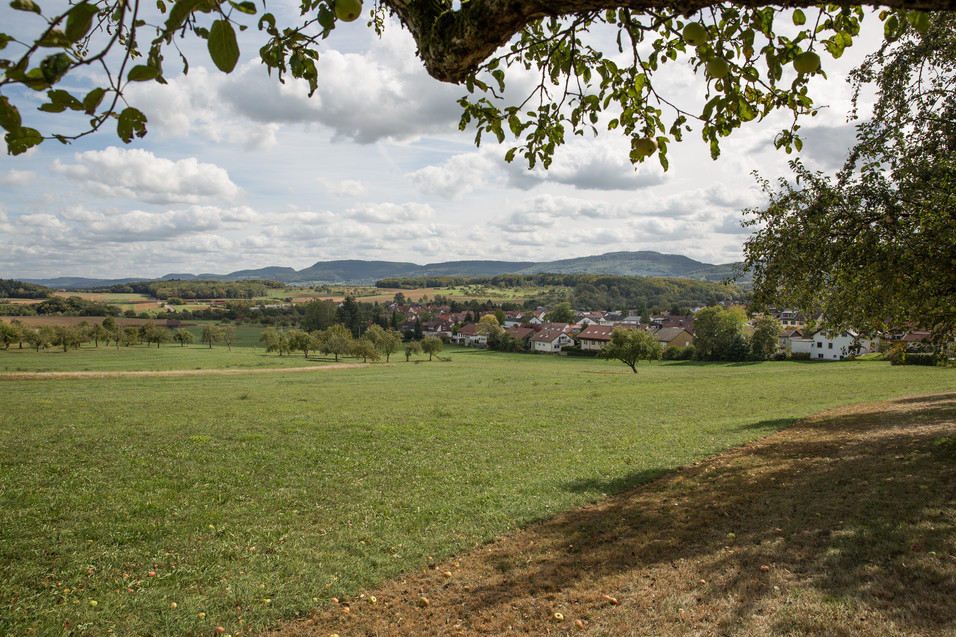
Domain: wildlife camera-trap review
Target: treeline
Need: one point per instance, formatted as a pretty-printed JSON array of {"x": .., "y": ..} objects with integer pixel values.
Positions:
[
  {"x": 60, "y": 306},
  {"x": 164, "y": 290},
  {"x": 13, "y": 289},
  {"x": 106, "y": 332},
  {"x": 592, "y": 291}
]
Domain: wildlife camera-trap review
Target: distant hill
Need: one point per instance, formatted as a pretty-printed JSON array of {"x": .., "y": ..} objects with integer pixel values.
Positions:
[{"x": 359, "y": 272}]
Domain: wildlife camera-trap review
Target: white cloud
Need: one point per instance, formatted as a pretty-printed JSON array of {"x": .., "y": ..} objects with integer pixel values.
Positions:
[
  {"x": 457, "y": 176},
  {"x": 345, "y": 187},
  {"x": 391, "y": 212},
  {"x": 382, "y": 94},
  {"x": 139, "y": 175},
  {"x": 17, "y": 178}
]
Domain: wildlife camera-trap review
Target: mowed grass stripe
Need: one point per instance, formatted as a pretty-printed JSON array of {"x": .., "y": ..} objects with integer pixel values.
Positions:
[{"x": 294, "y": 488}]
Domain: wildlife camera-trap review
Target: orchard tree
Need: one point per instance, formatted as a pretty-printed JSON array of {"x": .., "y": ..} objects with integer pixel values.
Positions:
[
  {"x": 9, "y": 334},
  {"x": 299, "y": 341},
  {"x": 336, "y": 340},
  {"x": 431, "y": 345},
  {"x": 365, "y": 349},
  {"x": 596, "y": 61},
  {"x": 210, "y": 334},
  {"x": 183, "y": 336},
  {"x": 412, "y": 347},
  {"x": 873, "y": 248},
  {"x": 632, "y": 346}
]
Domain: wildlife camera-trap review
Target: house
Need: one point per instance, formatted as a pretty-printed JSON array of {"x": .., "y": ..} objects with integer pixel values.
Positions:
[
  {"x": 673, "y": 337},
  {"x": 787, "y": 336},
  {"x": 838, "y": 346},
  {"x": 594, "y": 337},
  {"x": 550, "y": 340},
  {"x": 520, "y": 333},
  {"x": 469, "y": 336},
  {"x": 437, "y": 327}
]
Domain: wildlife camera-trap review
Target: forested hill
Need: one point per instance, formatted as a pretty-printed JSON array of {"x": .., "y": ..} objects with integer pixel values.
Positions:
[{"x": 355, "y": 271}]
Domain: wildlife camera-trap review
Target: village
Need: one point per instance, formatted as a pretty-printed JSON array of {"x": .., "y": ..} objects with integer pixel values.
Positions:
[{"x": 589, "y": 331}]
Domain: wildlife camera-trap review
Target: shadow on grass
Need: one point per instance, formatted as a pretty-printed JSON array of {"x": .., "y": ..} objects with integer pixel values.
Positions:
[{"x": 844, "y": 524}]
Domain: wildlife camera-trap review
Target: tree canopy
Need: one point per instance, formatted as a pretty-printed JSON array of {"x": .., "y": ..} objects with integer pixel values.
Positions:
[
  {"x": 596, "y": 61},
  {"x": 874, "y": 247}
]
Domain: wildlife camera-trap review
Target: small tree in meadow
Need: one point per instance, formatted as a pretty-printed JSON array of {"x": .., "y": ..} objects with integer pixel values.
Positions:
[
  {"x": 365, "y": 349},
  {"x": 184, "y": 337},
  {"x": 412, "y": 347},
  {"x": 336, "y": 340},
  {"x": 632, "y": 346},
  {"x": 431, "y": 345}
]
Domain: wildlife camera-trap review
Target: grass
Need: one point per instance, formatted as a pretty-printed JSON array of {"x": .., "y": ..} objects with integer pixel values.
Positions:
[
  {"x": 295, "y": 488},
  {"x": 844, "y": 524}
]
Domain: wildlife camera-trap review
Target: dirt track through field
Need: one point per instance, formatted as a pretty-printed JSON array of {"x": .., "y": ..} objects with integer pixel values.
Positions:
[{"x": 173, "y": 372}]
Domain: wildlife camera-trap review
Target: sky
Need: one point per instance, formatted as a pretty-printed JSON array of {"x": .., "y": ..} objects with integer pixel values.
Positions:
[{"x": 241, "y": 172}]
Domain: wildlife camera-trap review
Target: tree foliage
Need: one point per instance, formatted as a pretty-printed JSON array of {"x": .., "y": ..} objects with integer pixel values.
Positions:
[
  {"x": 632, "y": 346},
  {"x": 874, "y": 247},
  {"x": 597, "y": 61},
  {"x": 720, "y": 334}
]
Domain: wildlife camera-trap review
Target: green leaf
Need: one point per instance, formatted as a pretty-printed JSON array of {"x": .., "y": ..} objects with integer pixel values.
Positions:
[
  {"x": 22, "y": 140},
  {"x": 178, "y": 14},
  {"x": 53, "y": 67},
  {"x": 4, "y": 38},
  {"x": 222, "y": 45},
  {"x": 79, "y": 21},
  {"x": 142, "y": 73},
  {"x": 799, "y": 17},
  {"x": 26, "y": 5},
  {"x": 244, "y": 7},
  {"x": 92, "y": 100},
  {"x": 131, "y": 124},
  {"x": 9, "y": 115},
  {"x": 891, "y": 28},
  {"x": 55, "y": 39}
]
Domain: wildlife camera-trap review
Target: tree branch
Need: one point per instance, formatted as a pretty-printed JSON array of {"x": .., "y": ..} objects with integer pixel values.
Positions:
[{"x": 453, "y": 44}]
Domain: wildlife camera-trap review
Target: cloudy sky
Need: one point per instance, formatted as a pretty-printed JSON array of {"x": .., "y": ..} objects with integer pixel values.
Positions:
[{"x": 239, "y": 171}]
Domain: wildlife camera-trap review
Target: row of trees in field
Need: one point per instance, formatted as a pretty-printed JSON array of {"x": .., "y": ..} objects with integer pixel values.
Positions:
[
  {"x": 338, "y": 340},
  {"x": 107, "y": 332}
]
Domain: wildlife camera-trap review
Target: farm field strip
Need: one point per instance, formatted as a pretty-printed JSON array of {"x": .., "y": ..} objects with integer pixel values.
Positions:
[{"x": 246, "y": 500}]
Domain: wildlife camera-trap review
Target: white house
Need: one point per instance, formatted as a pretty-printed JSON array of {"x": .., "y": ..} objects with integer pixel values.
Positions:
[
  {"x": 550, "y": 341},
  {"x": 838, "y": 346}
]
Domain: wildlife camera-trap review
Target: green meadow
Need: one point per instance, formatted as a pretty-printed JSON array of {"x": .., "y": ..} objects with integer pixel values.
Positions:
[{"x": 180, "y": 504}]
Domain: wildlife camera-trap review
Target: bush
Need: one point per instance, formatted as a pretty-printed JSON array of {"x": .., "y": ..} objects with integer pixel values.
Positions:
[
  {"x": 679, "y": 353},
  {"x": 800, "y": 356}
]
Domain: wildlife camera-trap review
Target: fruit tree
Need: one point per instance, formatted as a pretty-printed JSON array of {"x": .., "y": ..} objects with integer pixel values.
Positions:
[{"x": 596, "y": 60}]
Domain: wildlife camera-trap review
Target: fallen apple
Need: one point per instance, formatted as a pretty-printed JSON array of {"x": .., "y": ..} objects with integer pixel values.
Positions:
[
  {"x": 558, "y": 617},
  {"x": 694, "y": 33},
  {"x": 348, "y": 10}
]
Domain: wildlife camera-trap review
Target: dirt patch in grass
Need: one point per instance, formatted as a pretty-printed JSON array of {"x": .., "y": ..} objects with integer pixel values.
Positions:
[{"x": 844, "y": 524}]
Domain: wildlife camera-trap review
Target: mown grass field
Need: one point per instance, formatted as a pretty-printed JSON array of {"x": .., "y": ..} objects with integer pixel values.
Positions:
[{"x": 184, "y": 504}]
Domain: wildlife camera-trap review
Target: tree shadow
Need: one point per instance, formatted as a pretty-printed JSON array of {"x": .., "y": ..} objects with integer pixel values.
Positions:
[
  {"x": 824, "y": 507},
  {"x": 843, "y": 524}
]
